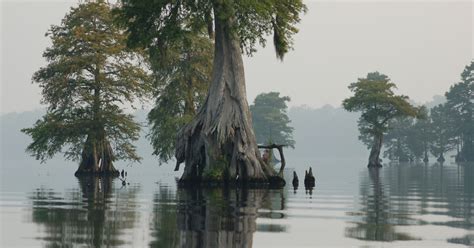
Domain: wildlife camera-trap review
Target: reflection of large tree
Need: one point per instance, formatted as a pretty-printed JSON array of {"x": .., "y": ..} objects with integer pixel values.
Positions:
[
  {"x": 93, "y": 216},
  {"x": 376, "y": 217},
  {"x": 213, "y": 217}
]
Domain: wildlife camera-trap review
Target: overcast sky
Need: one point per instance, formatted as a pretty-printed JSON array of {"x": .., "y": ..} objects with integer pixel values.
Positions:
[{"x": 422, "y": 46}]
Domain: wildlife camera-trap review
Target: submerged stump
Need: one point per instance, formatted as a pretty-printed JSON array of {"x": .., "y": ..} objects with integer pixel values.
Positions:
[
  {"x": 309, "y": 180},
  {"x": 295, "y": 181}
]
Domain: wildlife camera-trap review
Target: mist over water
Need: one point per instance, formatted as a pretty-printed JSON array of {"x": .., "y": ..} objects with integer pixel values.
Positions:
[{"x": 400, "y": 205}]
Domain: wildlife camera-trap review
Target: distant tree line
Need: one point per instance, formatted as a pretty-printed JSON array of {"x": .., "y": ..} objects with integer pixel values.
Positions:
[
  {"x": 447, "y": 127},
  {"x": 411, "y": 133}
]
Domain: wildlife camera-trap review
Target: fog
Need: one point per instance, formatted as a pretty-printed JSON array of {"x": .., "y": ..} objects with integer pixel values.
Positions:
[
  {"x": 322, "y": 133},
  {"x": 423, "y": 46}
]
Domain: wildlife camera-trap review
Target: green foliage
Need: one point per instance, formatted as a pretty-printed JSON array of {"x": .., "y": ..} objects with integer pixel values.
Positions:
[
  {"x": 181, "y": 82},
  {"x": 442, "y": 126},
  {"x": 374, "y": 97},
  {"x": 215, "y": 174},
  {"x": 408, "y": 139},
  {"x": 420, "y": 134},
  {"x": 90, "y": 72},
  {"x": 270, "y": 119},
  {"x": 396, "y": 140},
  {"x": 217, "y": 170},
  {"x": 161, "y": 23},
  {"x": 460, "y": 105}
]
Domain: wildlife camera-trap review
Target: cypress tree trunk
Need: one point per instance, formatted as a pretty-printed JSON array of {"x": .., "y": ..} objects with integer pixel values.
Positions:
[
  {"x": 97, "y": 154},
  {"x": 374, "y": 157},
  {"x": 219, "y": 145},
  {"x": 97, "y": 157}
]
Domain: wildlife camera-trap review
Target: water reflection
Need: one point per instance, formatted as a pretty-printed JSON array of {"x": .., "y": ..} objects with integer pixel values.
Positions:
[
  {"x": 376, "y": 222},
  {"x": 93, "y": 216},
  {"x": 214, "y": 217},
  {"x": 431, "y": 204},
  {"x": 413, "y": 195},
  {"x": 464, "y": 206},
  {"x": 164, "y": 228}
]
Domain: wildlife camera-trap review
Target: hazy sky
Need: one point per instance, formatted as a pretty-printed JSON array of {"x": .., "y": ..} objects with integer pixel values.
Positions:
[{"x": 422, "y": 45}]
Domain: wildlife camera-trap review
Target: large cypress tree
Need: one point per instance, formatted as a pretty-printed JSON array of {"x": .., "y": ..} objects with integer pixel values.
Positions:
[
  {"x": 219, "y": 143},
  {"x": 89, "y": 75}
]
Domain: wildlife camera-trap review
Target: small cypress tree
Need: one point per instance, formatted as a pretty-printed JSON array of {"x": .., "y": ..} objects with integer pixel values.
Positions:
[
  {"x": 374, "y": 97},
  {"x": 89, "y": 75}
]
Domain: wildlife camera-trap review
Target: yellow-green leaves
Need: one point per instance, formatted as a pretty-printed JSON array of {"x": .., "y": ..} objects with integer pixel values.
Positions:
[
  {"x": 90, "y": 75},
  {"x": 374, "y": 97}
]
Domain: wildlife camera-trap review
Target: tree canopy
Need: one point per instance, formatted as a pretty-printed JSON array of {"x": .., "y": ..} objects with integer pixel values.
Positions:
[
  {"x": 446, "y": 126},
  {"x": 181, "y": 81},
  {"x": 396, "y": 140},
  {"x": 378, "y": 104},
  {"x": 442, "y": 124},
  {"x": 161, "y": 23},
  {"x": 408, "y": 138},
  {"x": 374, "y": 97},
  {"x": 270, "y": 119},
  {"x": 460, "y": 107},
  {"x": 90, "y": 75}
]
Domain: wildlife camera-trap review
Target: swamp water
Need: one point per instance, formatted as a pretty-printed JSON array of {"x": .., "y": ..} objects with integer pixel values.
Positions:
[{"x": 402, "y": 205}]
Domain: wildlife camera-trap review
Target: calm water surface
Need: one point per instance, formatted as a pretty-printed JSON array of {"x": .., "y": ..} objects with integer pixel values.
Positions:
[{"x": 351, "y": 206}]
